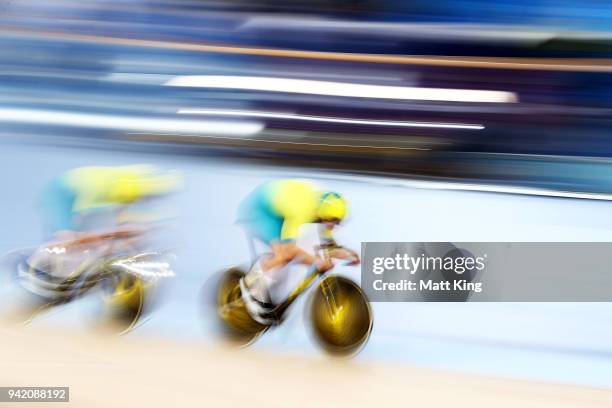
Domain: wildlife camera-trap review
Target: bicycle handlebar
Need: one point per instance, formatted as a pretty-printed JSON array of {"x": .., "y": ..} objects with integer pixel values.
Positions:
[{"x": 329, "y": 247}]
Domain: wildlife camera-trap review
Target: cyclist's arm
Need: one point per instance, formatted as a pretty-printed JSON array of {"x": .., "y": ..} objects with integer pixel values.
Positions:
[
  {"x": 326, "y": 235},
  {"x": 336, "y": 251},
  {"x": 291, "y": 227},
  {"x": 345, "y": 253}
]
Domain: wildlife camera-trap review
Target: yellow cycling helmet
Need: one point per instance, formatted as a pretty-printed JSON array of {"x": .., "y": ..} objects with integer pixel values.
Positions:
[{"x": 332, "y": 207}]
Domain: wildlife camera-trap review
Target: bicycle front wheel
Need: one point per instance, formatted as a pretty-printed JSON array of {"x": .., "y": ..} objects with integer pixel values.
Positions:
[
  {"x": 124, "y": 300},
  {"x": 341, "y": 316}
]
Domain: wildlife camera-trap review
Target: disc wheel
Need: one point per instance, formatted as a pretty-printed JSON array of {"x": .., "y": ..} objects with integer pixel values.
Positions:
[
  {"x": 124, "y": 301},
  {"x": 341, "y": 316},
  {"x": 238, "y": 325}
]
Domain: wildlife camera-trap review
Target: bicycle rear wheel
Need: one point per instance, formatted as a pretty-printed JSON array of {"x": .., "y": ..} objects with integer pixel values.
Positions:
[{"x": 238, "y": 325}]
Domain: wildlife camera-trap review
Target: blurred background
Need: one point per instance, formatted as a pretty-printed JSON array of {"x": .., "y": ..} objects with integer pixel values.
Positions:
[
  {"x": 515, "y": 93},
  {"x": 449, "y": 120}
]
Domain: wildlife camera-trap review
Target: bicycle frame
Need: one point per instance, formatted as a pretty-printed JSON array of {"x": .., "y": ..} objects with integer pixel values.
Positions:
[
  {"x": 279, "y": 310},
  {"x": 62, "y": 289}
]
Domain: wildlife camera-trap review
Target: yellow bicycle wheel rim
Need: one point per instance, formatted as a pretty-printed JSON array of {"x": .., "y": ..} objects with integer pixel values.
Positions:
[
  {"x": 232, "y": 311},
  {"x": 341, "y": 316}
]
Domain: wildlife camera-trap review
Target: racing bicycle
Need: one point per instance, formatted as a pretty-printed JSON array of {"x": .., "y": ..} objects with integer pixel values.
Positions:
[
  {"x": 340, "y": 314},
  {"x": 110, "y": 264}
]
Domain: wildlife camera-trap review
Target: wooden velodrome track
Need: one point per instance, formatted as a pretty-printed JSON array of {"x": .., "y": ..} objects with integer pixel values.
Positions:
[{"x": 141, "y": 372}]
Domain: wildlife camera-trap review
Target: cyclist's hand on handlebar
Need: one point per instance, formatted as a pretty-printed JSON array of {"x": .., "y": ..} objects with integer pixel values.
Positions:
[
  {"x": 355, "y": 261},
  {"x": 348, "y": 254}
]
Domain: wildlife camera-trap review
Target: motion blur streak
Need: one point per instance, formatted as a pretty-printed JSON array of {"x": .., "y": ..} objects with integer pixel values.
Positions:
[
  {"x": 327, "y": 88},
  {"x": 90, "y": 120},
  {"x": 514, "y": 63},
  {"x": 279, "y": 115},
  {"x": 162, "y": 269},
  {"x": 488, "y": 32},
  {"x": 490, "y": 188}
]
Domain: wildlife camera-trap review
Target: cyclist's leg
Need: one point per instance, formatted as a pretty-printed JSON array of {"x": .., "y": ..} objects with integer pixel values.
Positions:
[
  {"x": 261, "y": 225},
  {"x": 285, "y": 252}
]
